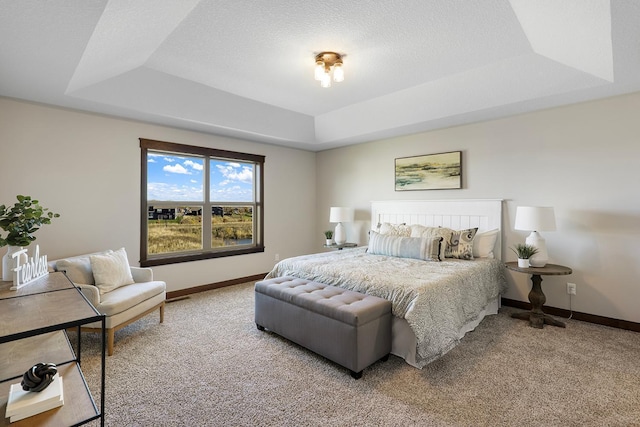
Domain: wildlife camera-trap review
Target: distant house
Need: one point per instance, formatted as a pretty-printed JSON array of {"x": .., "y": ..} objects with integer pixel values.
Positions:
[
  {"x": 171, "y": 213},
  {"x": 215, "y": 211},
  {"x": 161, "y": 213}
]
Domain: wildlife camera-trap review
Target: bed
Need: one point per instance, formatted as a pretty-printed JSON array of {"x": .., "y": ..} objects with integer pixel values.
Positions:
[{"x": 434, "y": 303}]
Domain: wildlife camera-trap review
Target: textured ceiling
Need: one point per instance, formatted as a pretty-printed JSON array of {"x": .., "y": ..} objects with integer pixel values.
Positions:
[{"x": 244, "y": 68}]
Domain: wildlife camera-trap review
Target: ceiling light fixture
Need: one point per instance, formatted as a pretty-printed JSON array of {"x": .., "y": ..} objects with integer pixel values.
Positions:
[{"x": 328, "y": 66}]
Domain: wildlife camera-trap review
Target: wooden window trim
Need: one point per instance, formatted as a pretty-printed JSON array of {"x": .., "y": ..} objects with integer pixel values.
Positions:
[{"x": 149, "y": 144}]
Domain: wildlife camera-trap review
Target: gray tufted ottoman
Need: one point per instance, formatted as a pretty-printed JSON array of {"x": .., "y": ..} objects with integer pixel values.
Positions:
[{"x": 349, "y": 328}]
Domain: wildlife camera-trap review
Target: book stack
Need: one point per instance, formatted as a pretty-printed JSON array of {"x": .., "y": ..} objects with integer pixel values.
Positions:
[{"x": 23, "y": 404}]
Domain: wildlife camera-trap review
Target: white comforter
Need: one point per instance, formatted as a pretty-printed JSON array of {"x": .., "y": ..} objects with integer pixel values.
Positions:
[{"x": 436, "y": 298}]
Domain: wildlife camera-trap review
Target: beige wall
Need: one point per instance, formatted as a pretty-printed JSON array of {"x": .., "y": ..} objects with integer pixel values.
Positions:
[
  {"x": 87, "y": 168},
  {"x": 584, "y": 160}
]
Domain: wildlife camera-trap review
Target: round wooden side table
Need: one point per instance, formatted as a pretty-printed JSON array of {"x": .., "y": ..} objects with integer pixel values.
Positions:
[{"x": 536, "y": 317}]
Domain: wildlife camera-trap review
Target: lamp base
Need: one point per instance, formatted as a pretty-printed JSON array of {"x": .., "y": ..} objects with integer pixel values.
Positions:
[
  {"x": 340, "y": 236},
  {"x": 541, "y": 258}
]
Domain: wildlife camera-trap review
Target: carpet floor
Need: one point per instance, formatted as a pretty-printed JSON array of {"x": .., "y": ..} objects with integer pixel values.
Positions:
[{"x": 208, "y": 365}]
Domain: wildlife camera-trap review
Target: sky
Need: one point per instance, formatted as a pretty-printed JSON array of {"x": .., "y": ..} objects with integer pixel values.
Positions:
[{"x": 179, "y": 178}]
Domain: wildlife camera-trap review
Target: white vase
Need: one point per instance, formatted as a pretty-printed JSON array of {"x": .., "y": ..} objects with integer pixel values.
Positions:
[
  {"x": 8, "y": 263},
  {"x": 523, "y": 263}
]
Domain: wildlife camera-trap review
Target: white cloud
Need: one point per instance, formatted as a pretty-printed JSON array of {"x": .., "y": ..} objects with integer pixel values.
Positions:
[
  {"x": 177, "y": 168},
  {"x": 169, "y": 159},
  {"x": 195, "y": 165},
  {"x": 151, "y": 161},
  {"x": 231, "y": 173}
]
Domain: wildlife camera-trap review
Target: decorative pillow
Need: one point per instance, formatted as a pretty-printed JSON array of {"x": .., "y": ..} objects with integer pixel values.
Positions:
[
  {"x": 461, "y": 244},
  {"x": 402, "y": 230},
  {"x": 427, "y": 249},
  {"x": 111, "y": 270},
  {"x": 422, "y": 231},
  {"x": 484, "y": 243},
  {"x": 78, "y": 270}
]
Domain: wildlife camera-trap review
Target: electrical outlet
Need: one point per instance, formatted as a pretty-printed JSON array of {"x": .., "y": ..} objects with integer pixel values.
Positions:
[
  {"x": 571, "y": 288},
  {"x": 277, "y": 258}
]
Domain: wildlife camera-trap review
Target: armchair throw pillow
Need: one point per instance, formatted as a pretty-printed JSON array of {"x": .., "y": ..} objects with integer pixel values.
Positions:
[{"x": 111, "y": 270}]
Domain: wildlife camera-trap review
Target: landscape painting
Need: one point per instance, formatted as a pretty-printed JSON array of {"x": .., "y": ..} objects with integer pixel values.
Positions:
[{"x": 429, "y": 172}]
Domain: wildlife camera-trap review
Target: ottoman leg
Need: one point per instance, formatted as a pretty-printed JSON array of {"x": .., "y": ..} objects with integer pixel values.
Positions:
[
  {"x": 385, "y": 358},
  {"x": 356, "y": 375},
  {"x": 260, "y": 328}
]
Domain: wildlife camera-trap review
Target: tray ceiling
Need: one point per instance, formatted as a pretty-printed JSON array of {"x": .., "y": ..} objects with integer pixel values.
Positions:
[{"x": 245, "y": 69}]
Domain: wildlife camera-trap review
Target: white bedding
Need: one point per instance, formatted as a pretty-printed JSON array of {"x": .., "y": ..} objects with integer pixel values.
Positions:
[{"x": 436, "y": 298}]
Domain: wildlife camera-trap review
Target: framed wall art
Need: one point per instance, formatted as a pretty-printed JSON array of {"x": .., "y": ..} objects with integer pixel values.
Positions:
[{"x": 440, "y": 171}]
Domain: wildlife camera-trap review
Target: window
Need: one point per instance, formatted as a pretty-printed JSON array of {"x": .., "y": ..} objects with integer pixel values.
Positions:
[{"x": 199, "y": 203}]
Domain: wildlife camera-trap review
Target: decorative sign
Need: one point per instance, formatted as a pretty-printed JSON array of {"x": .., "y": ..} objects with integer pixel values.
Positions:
[{"x": 34, "y": 267}]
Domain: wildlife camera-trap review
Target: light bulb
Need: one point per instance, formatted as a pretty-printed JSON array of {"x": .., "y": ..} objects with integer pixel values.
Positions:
[
  {"x": 338, "y": 73},
  {"x": 319, "y": 70},
  {"x": 325, "y": 81}
]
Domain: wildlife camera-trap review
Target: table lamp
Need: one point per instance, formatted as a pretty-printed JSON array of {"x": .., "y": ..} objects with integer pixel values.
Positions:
[
  {"x": 340, "y": 215},
  {"x": 534, "y": 219}
]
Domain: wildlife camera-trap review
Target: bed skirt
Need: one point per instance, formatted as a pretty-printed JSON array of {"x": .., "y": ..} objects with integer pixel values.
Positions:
[{"x": 404, "y": 341}]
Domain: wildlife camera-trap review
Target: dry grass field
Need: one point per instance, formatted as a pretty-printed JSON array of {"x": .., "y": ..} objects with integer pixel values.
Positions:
[{"x": 185, "y": 232}]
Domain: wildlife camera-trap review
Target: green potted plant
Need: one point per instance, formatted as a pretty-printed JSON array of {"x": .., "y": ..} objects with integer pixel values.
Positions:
[
  {"x": 20, "y": 222},
  {"x": 329, "y": 236},
  {"x": 524, "y": 252}
]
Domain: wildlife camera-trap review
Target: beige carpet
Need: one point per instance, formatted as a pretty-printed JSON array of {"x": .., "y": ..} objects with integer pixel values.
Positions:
[{"x": 208, "y": 365}]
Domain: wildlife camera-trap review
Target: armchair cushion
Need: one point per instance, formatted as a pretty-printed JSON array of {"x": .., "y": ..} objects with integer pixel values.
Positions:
[
  {"x": 78, "y": 270},
  {"x": 128, "y": 296}
]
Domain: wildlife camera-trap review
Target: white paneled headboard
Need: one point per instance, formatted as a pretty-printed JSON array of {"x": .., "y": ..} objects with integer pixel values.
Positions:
[{"x": 486, "y": 214}]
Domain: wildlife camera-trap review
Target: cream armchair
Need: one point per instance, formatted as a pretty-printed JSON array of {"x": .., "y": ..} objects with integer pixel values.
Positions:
[{"x": 121, "y": 306}]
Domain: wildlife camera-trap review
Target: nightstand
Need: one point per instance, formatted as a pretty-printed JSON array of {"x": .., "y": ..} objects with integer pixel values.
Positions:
[
  {"x": 341, "y": 246},
  {"x": 536, "y": 317}
]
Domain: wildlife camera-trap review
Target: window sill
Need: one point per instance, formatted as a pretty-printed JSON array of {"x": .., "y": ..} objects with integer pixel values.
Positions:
[{"x": 174, "y": 259}]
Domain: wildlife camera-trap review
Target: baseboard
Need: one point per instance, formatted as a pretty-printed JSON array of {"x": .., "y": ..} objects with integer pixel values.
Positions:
[
  {"x": 210, "y": 286},
  {"x": 554, "y": 311},
  {"x": 585, "y": 317}
]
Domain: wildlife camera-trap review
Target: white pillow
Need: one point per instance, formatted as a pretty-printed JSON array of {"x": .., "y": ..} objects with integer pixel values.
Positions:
[
  {"x": 111, "y": 270},
  {"x": 484, "y": 243},
  {"x": 402, "y": 230}
]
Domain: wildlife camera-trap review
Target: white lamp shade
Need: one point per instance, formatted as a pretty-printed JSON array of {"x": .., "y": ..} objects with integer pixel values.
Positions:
[
  {"x": 319, "y": 70},
  {"x": 338, "y": 73},
  {"x": 325, "y": 80},
  {"x": 338, "y": 214},
  {"x": 535, "y": 218}
]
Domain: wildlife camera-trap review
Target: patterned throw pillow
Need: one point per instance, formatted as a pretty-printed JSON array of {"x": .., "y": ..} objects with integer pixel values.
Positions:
[
  {"x": 402, "y": 230},
  {"x": 461, "y": 244}
]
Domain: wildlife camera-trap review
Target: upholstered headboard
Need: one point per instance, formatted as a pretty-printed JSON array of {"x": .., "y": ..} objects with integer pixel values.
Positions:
[{"x": 486, "y": 214}]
